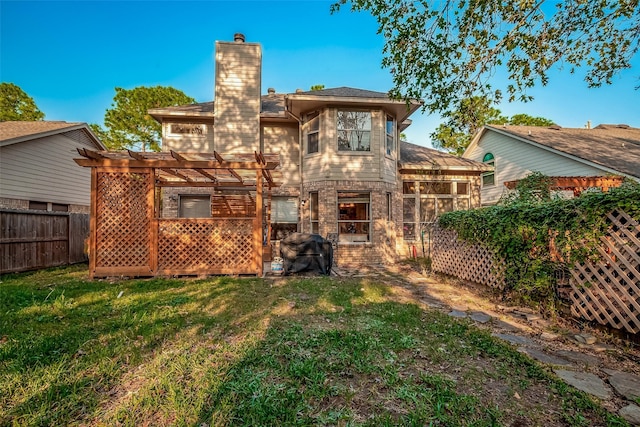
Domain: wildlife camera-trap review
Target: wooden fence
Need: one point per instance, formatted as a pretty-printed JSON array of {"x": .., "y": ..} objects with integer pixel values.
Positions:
[
  {"x": 606, "y": 291},
  {"x": 30, "y": 240}
]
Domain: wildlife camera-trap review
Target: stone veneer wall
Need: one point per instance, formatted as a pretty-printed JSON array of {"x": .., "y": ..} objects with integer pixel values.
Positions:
[{"x": 382, "y": 247}]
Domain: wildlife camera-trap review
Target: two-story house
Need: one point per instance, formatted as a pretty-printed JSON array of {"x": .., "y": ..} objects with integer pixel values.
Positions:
[
  {"x": 346, "y": 174},
  {"x": 238, "y": 174}
]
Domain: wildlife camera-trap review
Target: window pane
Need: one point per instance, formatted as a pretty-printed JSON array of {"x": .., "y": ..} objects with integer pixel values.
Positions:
[
  {"x": 354, "y": 130},
  {"x": 409, "y": 231},
  {"x": 488, "y": 179},
  {"x": 427, "y": 209},
  {"x": 353, "y": 217},
  {"x": 280, "y": 231},
  {"x": 463, "y": 187},
  {"x": 409, "y": 209},
  {"x": 390, "y": 135},
  {"x": 432, "y": 187},
  {"x": 408, "y": 187},
  {"x": 194, "y": 207},
  {"x": 314, "y": 206},
  {"x": 444, "y": 205},
  {"x": 284, "y": 210},
  {"x": 40, "y": 206},
  {"x": 312, "y": 142}
]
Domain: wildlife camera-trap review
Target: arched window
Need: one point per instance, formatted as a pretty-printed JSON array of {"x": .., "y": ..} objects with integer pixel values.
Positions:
[{"x": 489, "y": 178}]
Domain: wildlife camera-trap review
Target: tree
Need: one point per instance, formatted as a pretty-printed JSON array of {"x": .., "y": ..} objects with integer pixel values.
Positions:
[
  {"x": 317, "y": 87},
  {"x": 128, "y": 123},
  {"x": 15, "y": 104},
  {"x": 446, "y": 51},
  {"x": 461, "y": 125}
]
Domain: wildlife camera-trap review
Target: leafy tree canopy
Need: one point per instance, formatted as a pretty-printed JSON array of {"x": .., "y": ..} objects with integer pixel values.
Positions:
[
  {"x": 15, "y": 104},
  {"x": 446, "y": 51},
  {"x": 462, "y": 123},
  {"x": 317, "y": 87},
  {"x": 128, "y": 123}
]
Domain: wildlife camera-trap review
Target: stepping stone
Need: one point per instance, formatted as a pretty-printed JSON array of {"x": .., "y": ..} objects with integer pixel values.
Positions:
[
  {"x": 480, "y": 317},
  {"x": 586, "y": 382},
  {"x": 626, "y": 384},
  {"x": 544, "y": 357},
  {"x": 517, "y": 340},
  {"x": 579, "y": 357},
  {"x": 631, "y": 413},
  {"x": 585, "y": 339},
  {"x": 457, "y": 313},
  {"x": 549, "y": 336},
  {"x": 507, "y": 326}
]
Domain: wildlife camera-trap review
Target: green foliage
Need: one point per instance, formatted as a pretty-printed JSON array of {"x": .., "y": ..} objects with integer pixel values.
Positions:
[
  {"x": 470, "y": 115},
  {"x": 523, "y": 230},
  {"x": 15, "y": 104},
  {"x": 443, "y": 52},
  {"x": 317, "y": 87},
  {"x": 128, "y": 123}
]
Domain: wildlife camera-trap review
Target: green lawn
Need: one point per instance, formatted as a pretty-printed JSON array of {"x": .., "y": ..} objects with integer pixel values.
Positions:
[{"x": 250, "y": 351}]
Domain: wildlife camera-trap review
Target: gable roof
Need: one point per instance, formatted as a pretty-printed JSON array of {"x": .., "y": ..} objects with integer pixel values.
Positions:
[
  {"x": 611, "y": 147},
  {"x": 13, "y": 132},
  {"x": 414, "y": 156}
]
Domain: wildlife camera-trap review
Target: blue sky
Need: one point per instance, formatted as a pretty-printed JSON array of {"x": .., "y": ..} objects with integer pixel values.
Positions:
[{"x": 70, "y": 55}]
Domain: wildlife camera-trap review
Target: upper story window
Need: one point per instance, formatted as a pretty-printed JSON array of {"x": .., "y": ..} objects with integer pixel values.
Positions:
[
  {"x": 489, "y": 178},
  {"x": 391, "y": 135},
  {"x": 192, "y": 129},
  {"x": 313, "y": 132},
  {"x": 354, "y": 130}
]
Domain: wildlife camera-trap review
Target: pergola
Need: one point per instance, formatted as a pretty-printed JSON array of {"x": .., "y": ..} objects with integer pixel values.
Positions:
[
  {"x": 129, "y": 236},
  {"x": 577, "y": 184}
]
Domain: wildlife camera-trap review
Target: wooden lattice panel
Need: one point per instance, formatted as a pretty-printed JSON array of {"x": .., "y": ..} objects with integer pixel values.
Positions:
[
  {"x": 206, "y": 246},
  {"x": 455, "y": 257},
  {"x": 607, "y": 291},
  {"x": 123, "y": 218}
]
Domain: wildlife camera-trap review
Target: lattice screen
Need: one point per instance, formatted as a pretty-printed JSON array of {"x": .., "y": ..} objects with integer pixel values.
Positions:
[
  {"x": 469, "y": 262},
  {"x": 608, "y": 291},
  {"x": 192, "y": 246},
  {"x": 123, "y": 219}
]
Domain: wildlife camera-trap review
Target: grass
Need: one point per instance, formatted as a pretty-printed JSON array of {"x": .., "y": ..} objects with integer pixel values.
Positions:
[{"x": 249, "y": 351}]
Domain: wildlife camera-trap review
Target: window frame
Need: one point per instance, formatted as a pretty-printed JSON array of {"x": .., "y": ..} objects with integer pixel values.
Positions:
[
  {"x": 314, "y": 212},
  {"x": 390, "y": 148},
  {"x": 490, "y": 160},
  {"x": 353, "y": 230},
  {"x": 354, "y": 129},
  {"x": 312, "y": 128},
  {"x": 182, "y": 197}
]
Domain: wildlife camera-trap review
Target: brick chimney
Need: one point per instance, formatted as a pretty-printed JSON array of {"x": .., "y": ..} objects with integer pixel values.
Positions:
[{"x": 237, "y": 96}]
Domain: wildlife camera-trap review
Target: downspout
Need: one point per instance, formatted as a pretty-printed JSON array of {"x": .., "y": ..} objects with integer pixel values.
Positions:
[{"x": 300, "y": 144}]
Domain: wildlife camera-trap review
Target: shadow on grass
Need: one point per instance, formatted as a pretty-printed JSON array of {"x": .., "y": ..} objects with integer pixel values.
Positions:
[{"x": 242, "y": 351}]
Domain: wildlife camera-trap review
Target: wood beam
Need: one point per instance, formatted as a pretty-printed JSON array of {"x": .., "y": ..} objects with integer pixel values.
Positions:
[
  {"x": 170, "y": 163},
  {"x": 176, "y": 174},
  {"x": 202, "y": 172}
]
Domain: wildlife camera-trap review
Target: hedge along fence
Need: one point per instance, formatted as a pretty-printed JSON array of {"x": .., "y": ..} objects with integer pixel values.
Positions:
[{"x": 526, "y": 242}]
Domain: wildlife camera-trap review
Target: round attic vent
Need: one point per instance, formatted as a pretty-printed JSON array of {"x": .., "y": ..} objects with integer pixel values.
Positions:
[{"x": 238, "y": 38}]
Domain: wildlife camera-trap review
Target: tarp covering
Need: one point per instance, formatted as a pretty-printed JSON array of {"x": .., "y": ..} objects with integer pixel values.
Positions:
[{"x": 303, "y": 252}]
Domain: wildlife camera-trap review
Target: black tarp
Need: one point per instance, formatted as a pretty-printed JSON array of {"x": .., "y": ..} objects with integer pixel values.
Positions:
[{"x": 303, "y": 252}]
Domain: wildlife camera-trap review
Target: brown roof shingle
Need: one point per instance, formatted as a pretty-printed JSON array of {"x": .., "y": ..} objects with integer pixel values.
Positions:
[
  {"x": 615, "y": 147},
  {"x": 17, "y": 129},
  {"x": 414, "y": 156}
]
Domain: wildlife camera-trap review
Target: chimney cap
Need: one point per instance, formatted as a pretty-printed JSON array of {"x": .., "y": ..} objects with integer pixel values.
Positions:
[
  {"x": 271, "y": 91},
  {"x": 299, "y": 91},
  {"x": 238, "y": 38}
]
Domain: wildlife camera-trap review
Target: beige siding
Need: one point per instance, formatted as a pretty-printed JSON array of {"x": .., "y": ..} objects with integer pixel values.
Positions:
[
  {"x": 283, "y": 139},
  {"x": 44, "y": 170},
  {"x": 237, "y": 97},
  {"x": 331, "y": 164},
  {"x": 187, "y": 143},
  {"x": 515, "y": 160}
]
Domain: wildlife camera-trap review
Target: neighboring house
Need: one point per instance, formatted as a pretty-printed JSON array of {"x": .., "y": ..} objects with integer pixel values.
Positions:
[
  {"x": 517, "y": 151},
  {"x": 346, "y": 175},
  {"x": 44, "y": 196},
  {"x": 37, "y": 170}
]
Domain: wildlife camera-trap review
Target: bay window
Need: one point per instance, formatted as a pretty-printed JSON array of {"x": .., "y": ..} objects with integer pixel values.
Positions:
[{"x": 354, "y": 130}]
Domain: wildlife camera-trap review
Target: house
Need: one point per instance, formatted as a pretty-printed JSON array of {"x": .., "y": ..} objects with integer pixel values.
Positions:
[
  {"x": 332, "y": 162},
  {"x": 37, "y": 170},
  {"x": 575, "y": 155},
  {"x": 44, "y": 196}
]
